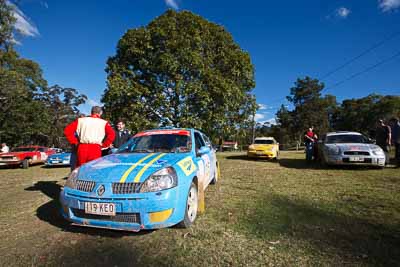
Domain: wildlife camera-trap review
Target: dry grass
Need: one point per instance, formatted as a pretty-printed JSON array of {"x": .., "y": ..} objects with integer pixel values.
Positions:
[{"x": 259, "y": 214}]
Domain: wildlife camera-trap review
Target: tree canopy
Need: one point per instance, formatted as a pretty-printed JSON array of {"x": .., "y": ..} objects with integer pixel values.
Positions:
[
  {"x": 30, "y": 110},
  {"x": 180, "y": 70}
]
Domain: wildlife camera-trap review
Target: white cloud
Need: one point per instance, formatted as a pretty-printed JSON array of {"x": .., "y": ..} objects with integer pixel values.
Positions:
[
  {"x": 93, "y": 102},
  {"x": 259, "y": 117},
  {"x": 23, "y": 24},
  {"x": 262, "y": 106},
  {"x": 343, "y": 12},
  {"x": 172, "y": 3},
  {"x": 388, "y": 5}
]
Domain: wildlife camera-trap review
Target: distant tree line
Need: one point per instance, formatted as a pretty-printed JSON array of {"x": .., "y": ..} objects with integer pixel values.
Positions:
[
  {"x": 311, "y": 108},
  {"x": 31, "y": 111}
]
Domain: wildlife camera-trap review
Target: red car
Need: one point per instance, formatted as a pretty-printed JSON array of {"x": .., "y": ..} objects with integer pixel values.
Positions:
[{"x": 25, "y": 156}]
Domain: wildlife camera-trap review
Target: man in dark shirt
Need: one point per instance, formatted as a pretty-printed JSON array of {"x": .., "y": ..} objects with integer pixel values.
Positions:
[
  {"x": 383, "y": 138},
  {"x": 395, "y": 127},
  {"x": 121, "y": 134}
]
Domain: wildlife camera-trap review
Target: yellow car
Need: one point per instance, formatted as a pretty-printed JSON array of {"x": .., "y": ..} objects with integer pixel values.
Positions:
[{"x": 264, "y": 147}]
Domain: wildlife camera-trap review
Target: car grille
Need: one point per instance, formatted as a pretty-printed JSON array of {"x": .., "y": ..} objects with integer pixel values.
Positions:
[
  {"x": 119, "y": 217},
  {"x": 85, "y": 186},
  {"x": 367, "y": 160},
  {"x": 125, "y": 188},
  {"x": 363, "y": 153}
]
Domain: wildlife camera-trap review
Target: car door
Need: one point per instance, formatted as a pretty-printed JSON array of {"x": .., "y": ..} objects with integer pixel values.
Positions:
[
  {"x": 212, "y": 156},
  {"x": 203, "y": 161}
]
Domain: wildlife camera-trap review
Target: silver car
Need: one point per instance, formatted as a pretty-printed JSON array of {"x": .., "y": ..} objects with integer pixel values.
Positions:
[{"x": 350, "y": 148}]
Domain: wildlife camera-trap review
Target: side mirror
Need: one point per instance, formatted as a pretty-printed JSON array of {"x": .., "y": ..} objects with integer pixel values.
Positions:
[{"x": 203, "y": 150}]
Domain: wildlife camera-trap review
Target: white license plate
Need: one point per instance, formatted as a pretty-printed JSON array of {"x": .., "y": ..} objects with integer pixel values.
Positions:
[
  {"x": 100, "y": 208},
  {"x": 260, "y": 153},
  {"x": 356, "y": 159}
]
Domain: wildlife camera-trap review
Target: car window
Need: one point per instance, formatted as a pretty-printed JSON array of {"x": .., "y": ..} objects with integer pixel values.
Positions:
[
  {"x": 199, "y": 142},
  {"x": 207, "y": 141},
  {"x": 41, "y": 149},
  {"x": 264, "y": 142},
  {"x": 23, "y": 149},
  {"x": 167, "y": 143},
  {"x": 346, "y": 138}
]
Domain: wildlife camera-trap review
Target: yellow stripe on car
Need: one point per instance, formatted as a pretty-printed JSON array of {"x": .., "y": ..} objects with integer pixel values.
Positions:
[
  {"x": 126, "y": 174},
  {"x": 140, "y": 173}
]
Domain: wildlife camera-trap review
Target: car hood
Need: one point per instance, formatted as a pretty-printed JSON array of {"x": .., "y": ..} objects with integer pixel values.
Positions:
[
  {"x": 133, "y": 166},
  {"x": 12, "y": 154},
  {"x": 353, "y": 146}
]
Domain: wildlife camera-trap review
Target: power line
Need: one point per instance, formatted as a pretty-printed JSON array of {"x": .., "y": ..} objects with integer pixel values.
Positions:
[
  {"x": 375, "y": 46},
  {"x": 364, "y": 70}
]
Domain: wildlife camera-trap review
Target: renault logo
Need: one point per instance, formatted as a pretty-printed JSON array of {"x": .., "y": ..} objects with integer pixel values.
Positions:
[{"x": 101, "y": 190}]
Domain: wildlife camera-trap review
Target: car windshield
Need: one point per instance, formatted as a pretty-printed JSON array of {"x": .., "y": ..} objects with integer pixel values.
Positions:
[
  {"x": 167, "y": 143},
  {"x": 23, "y": 149},
  {"x": 346, "y": 138},
  {"x": 263, "y": 142}
]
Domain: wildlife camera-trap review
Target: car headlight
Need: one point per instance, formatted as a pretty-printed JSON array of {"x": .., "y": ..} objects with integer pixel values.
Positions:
[
  {"x": 71, "y": 181},
  {"x": 251, "y": 147},
  {"x": 378, "y": 152},
  {"x": 333, "y": 150},
  {"x": 160, "y": 180}
]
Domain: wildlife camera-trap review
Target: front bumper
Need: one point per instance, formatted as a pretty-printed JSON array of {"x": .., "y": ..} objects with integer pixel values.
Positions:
[
  {"x": 261, "y": 154},
  {"x": 133, "y": 213},
  {"x": 59, "y": 163},
  {"x": 10, "y": 162},
  {"x": 361, "y": 160}
]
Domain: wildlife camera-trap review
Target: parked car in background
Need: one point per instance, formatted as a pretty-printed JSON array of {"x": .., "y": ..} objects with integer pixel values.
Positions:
[
  {"x": 25, "y": 156},
  {"x": 229, "y": 146},
  {"x": 264, "y": 147},
  {"x": 59, "y": 159},
  {"x": 349, "y": 148},
  {"x": 152, "y": 181}
]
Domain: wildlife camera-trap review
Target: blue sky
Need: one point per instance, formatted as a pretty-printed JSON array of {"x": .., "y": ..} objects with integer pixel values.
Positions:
[{"x": 72, "y": 40}]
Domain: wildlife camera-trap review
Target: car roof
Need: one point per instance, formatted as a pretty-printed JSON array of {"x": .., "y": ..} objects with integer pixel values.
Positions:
[
  {"x": 342, "y": 133},
  {"x": 264, "y": 138}
]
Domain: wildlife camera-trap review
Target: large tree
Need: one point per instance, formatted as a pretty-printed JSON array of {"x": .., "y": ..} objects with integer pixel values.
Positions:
[
  {"x": 30, "y": 111},
  {"x": 180, "y": 70},
  {"x": 310, "y": 107}
]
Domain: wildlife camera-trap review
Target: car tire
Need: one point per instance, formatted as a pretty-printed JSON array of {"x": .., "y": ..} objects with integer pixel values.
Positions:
[
  {"x": 192, "y": 203},
  {"x": 277, "y": 156},
  {"x": 25, "y": 164},
  {"x": 216, "y": 175}
]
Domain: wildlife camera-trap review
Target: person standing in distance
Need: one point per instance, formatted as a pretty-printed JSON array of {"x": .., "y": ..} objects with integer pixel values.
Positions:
[
  {"x": 88, "y": 134},
  {"x": 121, "y": 134},
  {"x": 395, "y": 126},
  {"x": 4, "y": 148},
  {"x": 383, "y": 138}
]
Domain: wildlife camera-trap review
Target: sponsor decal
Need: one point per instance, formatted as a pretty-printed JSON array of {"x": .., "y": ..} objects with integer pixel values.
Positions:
[
  {"x": 155, "y": 132},
  {"x": 187, "y": 165}
]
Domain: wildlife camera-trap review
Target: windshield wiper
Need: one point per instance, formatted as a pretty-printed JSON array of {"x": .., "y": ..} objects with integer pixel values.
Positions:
[{"x": 142, "y": 151}]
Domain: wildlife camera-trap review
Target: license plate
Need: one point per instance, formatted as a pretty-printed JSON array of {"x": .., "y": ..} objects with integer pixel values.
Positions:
[
  {"x": 260, "y": 153},
  {"x": 55, "y": 161},
  {"x": 356, "y": 159},
  {"x": 100, "y": 208}
]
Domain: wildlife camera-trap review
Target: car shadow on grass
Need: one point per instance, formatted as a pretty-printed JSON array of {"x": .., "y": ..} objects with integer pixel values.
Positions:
[
  {"x": 244, "y": 157},
  {"x": 50, "y": 213},
  {"x": 355, "y": 240}
]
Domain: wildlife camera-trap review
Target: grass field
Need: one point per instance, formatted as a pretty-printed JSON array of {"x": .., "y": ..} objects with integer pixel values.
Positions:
[{"x": 260, "y": 213}]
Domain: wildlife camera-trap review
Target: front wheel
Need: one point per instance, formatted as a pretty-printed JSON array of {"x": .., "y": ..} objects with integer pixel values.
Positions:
[
  {"x": 25, "y": 164},
  {"x": 192, "y": 203}
]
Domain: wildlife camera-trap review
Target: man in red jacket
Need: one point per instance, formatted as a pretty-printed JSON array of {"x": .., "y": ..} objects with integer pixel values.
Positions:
[{"x": 89, "y": 134}]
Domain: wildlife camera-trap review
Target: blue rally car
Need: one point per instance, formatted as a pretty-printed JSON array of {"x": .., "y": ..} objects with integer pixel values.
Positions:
[
  {"x": 59, "y": 159},
  {"x": 150, "y": 182}
]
